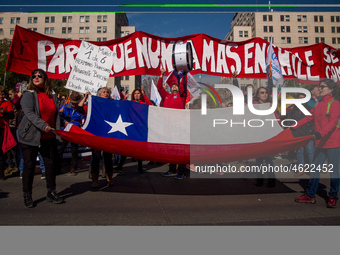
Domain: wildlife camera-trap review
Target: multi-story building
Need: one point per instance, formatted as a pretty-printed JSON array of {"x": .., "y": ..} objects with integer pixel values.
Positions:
[
  {"x": 101, "y": 26},
  {"x": 289, "y": 29}
]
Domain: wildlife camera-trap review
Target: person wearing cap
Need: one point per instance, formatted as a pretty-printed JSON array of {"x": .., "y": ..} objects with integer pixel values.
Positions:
[
  {"x": 176, "y": 100},
  {"x": 74, "y": 114}
]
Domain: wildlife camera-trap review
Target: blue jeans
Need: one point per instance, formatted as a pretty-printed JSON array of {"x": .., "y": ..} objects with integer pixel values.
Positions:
[
  {"x": 333, "y": 158},
  {"x": 310, "y": 149}
]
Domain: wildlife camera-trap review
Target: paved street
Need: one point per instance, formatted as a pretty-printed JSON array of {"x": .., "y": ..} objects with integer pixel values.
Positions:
[{"x": 150, "y": 199}]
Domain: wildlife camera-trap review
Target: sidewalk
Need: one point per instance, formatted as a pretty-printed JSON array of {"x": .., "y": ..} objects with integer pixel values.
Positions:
[{"x": 151, "y": 199}]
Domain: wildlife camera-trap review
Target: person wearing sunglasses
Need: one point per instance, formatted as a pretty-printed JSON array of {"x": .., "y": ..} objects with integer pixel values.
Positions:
[
  {"x": 40, "y": 118},
  {"x": 262, "y": 97},
  {"x": 325, "y": 115}
]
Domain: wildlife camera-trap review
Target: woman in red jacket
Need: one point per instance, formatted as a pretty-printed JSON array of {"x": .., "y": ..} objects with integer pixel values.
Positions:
[{"x": 327, "y": 143}]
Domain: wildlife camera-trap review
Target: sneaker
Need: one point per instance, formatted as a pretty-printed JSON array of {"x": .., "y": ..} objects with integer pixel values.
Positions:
[
  {"x": 305, "y": 199},
  {"x": 331, "y": 202},
  {"x": 43, "y": 177},
  {"x": 180, "y": 176},
  {"x": 169, "y": 173},
  {"x": 28, "y": 201},
  {"x": 10, "y": 170},
  {"x": 52, "y": 197}
]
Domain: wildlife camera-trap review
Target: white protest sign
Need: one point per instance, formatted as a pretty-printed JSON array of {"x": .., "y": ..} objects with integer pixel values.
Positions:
[{"x": 91, "y": 68}]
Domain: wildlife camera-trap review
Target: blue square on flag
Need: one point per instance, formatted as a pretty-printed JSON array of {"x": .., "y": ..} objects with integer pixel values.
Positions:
[{"x": 117, "y": 119}]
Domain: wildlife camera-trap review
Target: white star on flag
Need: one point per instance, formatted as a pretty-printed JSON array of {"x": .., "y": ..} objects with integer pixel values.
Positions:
[{"x": 119, "y": 125}]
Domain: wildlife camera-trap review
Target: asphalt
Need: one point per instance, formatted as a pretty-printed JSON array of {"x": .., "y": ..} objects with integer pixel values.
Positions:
[{"x": 149, "y": 199}]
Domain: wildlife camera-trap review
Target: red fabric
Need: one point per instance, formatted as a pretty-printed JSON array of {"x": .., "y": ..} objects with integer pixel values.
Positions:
[
  {"x": 325, "y": 125},
  {"x": 7, "y": 107},
  {"x": 48, "y": 111},
  {"x": 184, "y": 153},
  {"x": 146, "y": 100},
  {"x": 9, "y": 141},
  {"x": 169, "y": 100},
  {"x": 307, "y": 64}
]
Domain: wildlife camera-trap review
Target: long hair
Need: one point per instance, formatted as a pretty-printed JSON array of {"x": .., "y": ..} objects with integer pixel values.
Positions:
[
  {"x": 141, "y": 95},
  {"x": 47, "y": 86},
  {"x": 332, "y": 85},
  {"x": 257, "y": 94}
]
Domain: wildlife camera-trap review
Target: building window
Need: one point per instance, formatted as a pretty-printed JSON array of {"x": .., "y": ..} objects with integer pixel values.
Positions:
[
  {"x": 338, "y": 40},
  {"x": 99, "y": 39},
  {"x": 270, "y": 17},
  {"x": 287, "y": 18},
  {"x": 51, "y": 30},
  {"x": 69, "y": 30},
  {"x": 333, "y": 30},
  {"x": 332, "y": 19},
  {"x": 104, "y": 29},
  {"x": 82, "y": 19},
  {"x": 104, "y": 39},
  {"x": 283, "y": 40},
  {"x": 338, "y": 29},
  {"x": 35, "y": 19},
  {"x": 81, "y": 30},
  {"x": 69, "y": 19},
  {"x": 35, "y": 29},
  {"x": 240, "y": 33},
  {"x": 127, "y": 32},
  {"x": 64, "y": 19},
  {"x": 266, "y": 38},
  {"x": 316, "y": 29},
  {"x": 322, "y": 39},
  {"x": 99, "y": 19},
  {"x": 270, "y": 29},
  {"x": 299, "y": 18},
  {"x": 305, "y": 40},
  {"x": 86, "y": 39},
  {"x": 304, "y": 18},
  {"x": 320, "y": 18},
  {"x": 317, "y": 40},
  {"x": 305, "y": 29},
  {"x": 63, "y": 30},
  {"x": 12, "y": 20},
  {"x": 322, "y": 29},
  {"x": 289, "y": 40},
  {"x": 47, "y": 30},
  {"x": 264, "y": 17},
  {"x": 282, "y": 17},
  {"x": 265, "y": 29},
  {"x": 1, "y": 20},
  {"x": 47, "y": 19},
  {"x": 99, "y": 30},
  {"x": 245, "y": 33},
  {"x": 300, "y": 29},
  {"x": 52, "y": 19},
  {"x": 11, "y": 31},
  {"x": 104, "y": 18},
  {"x": 283, "y": 29},
  {"x": 18, "y": 20},
  {"x": 333, "y": 40},
  {"x": 127, "y": 78},
  {"x": 29, "y": 20},
  {"x": 315, "y": 18},
  {"x": 337, "y": 18},
  {"x": 87, "y": 18},
  {"x": 1, "y": 31},
  {"x": 87, "y": 30}
]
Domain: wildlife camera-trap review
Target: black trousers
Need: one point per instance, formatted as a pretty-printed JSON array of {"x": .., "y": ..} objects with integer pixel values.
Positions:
[
  {"x": 96, "y": 156},
  {"x": 49, "y": 153},
  {"x": 180, "y": 169},
  {"x": 2, "y": 155},
  {"x": 74, "y": 153}
]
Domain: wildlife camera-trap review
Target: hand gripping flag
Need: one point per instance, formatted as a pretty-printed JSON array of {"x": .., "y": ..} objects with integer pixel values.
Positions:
[
  {"x": 175, "y": 135},
  {"x": 273, "y": 66}
]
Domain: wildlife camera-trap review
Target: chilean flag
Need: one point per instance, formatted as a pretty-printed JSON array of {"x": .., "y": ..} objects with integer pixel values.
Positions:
[{"x": 176, "y": 136}]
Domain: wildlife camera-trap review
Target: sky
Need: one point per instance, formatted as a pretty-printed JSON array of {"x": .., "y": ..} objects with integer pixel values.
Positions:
[{"x": 170, "y": 21}]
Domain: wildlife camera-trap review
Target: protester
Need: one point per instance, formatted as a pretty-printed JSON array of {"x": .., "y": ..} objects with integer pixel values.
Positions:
[
  {"x": 138, "y": 96},
  {"x": 315, "y": 95},
  {"x": 40, "y": 117},
  {"x": 96, "y": 154},
  {"x": 325, "y": 115},
  {"x": 262, "y": 97},
  {"x": 6, "y": 113},
  {"x": 74, "y": 114},
  {"x": 176, "y": 100}
]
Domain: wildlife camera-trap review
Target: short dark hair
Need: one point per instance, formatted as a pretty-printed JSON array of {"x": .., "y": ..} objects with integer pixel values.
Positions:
[{"x": 330, "y": 84}]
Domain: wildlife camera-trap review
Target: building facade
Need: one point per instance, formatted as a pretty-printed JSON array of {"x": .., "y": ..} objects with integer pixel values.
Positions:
[
  {"x": 289, "y": 29},
  {"x": 101, "y": 26}
]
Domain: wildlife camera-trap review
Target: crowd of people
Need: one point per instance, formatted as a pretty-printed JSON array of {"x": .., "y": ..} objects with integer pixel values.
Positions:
[{"x": 31, "y": 117}]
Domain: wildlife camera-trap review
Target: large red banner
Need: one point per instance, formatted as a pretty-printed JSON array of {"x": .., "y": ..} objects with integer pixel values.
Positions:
[{"x": 138, "y": 54}]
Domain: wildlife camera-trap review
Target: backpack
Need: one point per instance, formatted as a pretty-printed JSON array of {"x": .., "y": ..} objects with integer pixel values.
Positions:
[{"x": 328, "y": 109}]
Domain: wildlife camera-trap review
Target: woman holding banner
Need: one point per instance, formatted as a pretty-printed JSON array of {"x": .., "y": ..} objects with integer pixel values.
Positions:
[
  {"x": 40, "y": 118},
  {"x": 326, "y": 117}
]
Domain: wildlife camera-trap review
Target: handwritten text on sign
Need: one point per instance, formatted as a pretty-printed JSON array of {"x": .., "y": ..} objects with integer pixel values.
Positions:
[{"x": 91, "y": 68}]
